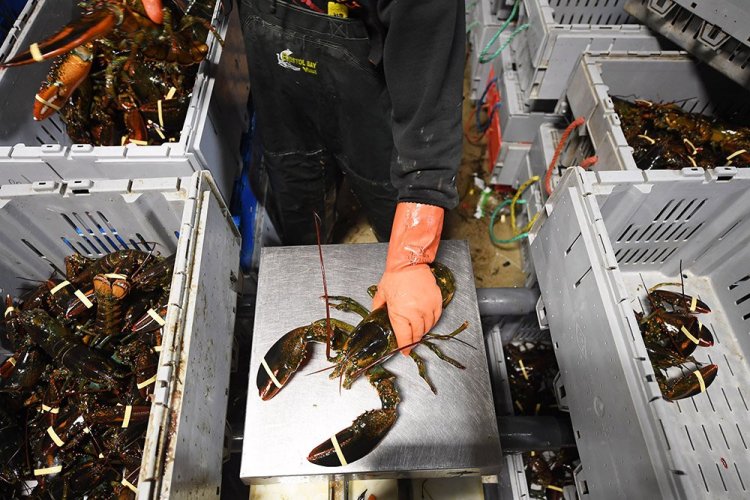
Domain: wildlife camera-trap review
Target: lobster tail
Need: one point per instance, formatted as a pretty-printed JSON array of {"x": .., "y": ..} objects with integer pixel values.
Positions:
[{"x": 356, "y": 441}]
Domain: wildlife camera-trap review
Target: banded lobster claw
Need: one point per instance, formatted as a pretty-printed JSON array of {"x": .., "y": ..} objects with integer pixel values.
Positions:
[
  {"x": 690, "y": 384},
  {"x": 62, "y": 81},
  {"x": 87, "y": 29},
  {"x": 355, "y": 441},
  {"x": 91, "y": 26},
  {"x": 281, "y": 362},
  {"x": 367, "y": 430}
]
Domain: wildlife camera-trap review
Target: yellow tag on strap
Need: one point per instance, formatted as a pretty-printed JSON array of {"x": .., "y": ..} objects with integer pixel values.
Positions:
[
  {"x": 523, "y": 369},
  {"x": 337, "y": 448},
  {"x": 155, "y": 316},
  {"x": 336, "y": 9},
  {"x": 146, "y": 383},
  {"x": 126, "y": 416},
  {"x": 701, "y": 382},
  {"x": 129, "y": 485},
  {"x": 48, "y": 470},
  {"x": 59, "y": 287},
  {"x": 55, "y": 438},
  {"x": 689, "y": 335}
]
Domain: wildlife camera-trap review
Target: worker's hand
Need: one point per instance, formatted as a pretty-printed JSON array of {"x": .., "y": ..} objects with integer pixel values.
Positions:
[{"x": 408, "y": 286}]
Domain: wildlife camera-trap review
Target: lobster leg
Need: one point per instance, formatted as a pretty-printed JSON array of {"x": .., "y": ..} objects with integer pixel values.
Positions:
[
  {"x": 367, "y": 430},
  {"x": 440, "y": 354},
  {"x": 86, "y": 29},
  {"x": 346, "y": 304},
  {"x": 422, "y": 370}
]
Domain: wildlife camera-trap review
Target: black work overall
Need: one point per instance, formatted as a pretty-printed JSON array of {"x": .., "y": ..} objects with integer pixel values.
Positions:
[{"x": 323, "y": 110}]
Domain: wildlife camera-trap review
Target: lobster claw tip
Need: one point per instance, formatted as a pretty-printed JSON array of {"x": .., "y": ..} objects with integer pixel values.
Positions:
[
  {"x": 693, "y": 383},
  {"x": 154, "y": 10},
  {"x": 281, "y": 362},
  {"x": 269, "y": 382},
  {"x": 356, "y": 441}
]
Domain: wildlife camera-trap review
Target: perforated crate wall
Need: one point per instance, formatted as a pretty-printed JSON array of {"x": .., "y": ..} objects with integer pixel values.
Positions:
[
  {"x": 715, "y": 31},
  {"x": 599, "y": 239},
  {"x": 561, "y": 30}
]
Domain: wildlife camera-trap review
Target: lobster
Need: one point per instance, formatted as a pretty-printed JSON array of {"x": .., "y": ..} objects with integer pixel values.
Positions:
[
  {"x": 360, "y": 350},
  {"x": 671, "y": 333}
]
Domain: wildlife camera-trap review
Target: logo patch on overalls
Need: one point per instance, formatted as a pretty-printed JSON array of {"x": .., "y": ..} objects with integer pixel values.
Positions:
[{"x": 286, "y": 61}]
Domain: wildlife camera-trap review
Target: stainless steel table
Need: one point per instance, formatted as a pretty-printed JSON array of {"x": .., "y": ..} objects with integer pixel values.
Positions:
[{"x": 451, "y": 433}]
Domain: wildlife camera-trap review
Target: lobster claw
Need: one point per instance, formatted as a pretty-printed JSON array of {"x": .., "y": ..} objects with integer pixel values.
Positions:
[
  {"x": 84, "y": 30},
  {"x": 690, "y": 384},
  {"x": 154, "y": 10},
  {"x": 680, "y": 302},
  {"x": 355, "y": 441},
  {"x": 62, "y": 81},
  {"x": 282, "y": 361}
]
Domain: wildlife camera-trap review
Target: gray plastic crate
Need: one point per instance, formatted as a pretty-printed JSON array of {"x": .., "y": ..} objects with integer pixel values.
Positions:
[
  {"x": 536, "y": 157},
  {"x": 512, "y": 479},
  {"x": 43, "y": 222},
  {"x": 480, "y": 72},
  {"x": 670, "y": 77},
  {"x": 512, "y": 483},
  {"x": 39, "y": 151},
  {"x": 482, "y": 25},
  {"x": 501, "y": 8},
  {"x": 511, "y": 161},
  {"x": 600, "y": 237},
  {"x": 519, "y": 118},
  {"x": 561, "y": 30},
  {"x": 715, "y": 31}
]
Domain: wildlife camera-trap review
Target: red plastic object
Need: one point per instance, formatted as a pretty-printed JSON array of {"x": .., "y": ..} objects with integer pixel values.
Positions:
[{"x": 494, "y": 134}]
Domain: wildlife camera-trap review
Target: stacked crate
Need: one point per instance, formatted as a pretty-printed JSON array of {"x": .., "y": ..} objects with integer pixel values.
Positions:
[
  {"x": 715, "y": 31},
  {"x": 604, "y": 233},
  {"x": 599, "y": 239},
  {"x": 512, "y": 480},
  {"x": 534, "y": 73},
  {"x": 481, "y": 26}
]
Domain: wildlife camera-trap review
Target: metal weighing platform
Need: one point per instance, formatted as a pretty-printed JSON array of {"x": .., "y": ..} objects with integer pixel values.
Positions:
[{"x": 451, "y": 433}]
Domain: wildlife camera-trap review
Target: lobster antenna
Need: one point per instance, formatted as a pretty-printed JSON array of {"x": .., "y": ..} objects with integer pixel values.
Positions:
[
  {"x": 327, "y": 368},
  {"x": 682, "y": 279},
  {"x": 329, "y": 330}
]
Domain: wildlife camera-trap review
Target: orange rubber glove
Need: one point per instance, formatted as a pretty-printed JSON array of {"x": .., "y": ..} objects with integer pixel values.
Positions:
[{"x": 408, "y": 286}]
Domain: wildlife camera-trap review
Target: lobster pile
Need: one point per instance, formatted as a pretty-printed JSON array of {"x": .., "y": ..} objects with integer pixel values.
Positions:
[
  {"x": 672, "y": 332},
  {"x": 75, "y": 396},
  {"x": 124, "y": 72},
  {"x": 531, "y": 370},
  {"x": 548, "y": 472},
  {"x": 663, "y": 136}
]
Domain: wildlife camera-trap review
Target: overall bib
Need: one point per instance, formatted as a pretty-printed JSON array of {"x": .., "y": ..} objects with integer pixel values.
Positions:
[{"x": 323, "y": 110}]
